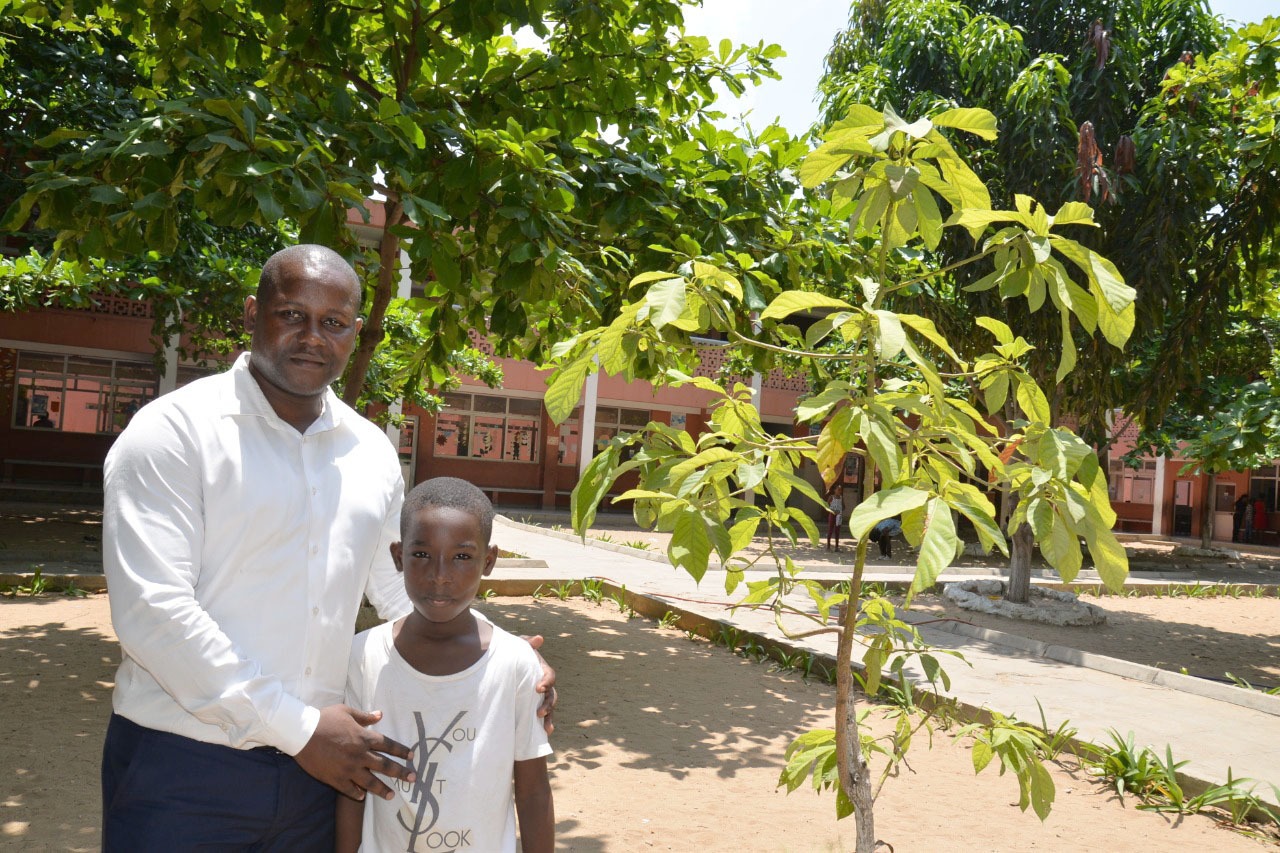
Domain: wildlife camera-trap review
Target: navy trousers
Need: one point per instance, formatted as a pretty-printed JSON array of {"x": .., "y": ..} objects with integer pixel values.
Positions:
[{"x": 165, "y": 792}]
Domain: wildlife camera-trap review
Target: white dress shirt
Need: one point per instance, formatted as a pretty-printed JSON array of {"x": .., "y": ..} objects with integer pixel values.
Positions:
[{"x": 236, "y": 551}]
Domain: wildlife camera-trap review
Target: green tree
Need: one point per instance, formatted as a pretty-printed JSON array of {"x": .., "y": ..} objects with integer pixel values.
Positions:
[
  {"x": 508, "y": 174},
  {"x": 1088, "y": 113},
  {"x": 884, "y": 383}
]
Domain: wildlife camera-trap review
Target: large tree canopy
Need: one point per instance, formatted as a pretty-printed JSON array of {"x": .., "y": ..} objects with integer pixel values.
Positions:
[
  {"x": 1090, "y": 107},
  {"x": 525, "y": 178}
]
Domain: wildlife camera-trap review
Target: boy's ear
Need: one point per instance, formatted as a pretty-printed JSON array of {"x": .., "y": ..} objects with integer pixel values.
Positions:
[
  {"x": 490, "y": 558},
  {"x": 397, "y": 548}
]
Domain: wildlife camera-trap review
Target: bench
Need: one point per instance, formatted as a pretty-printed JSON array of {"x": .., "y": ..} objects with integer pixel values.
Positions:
[
  {"x": 1133, "y": 525},
  {"x": 494, "y": 491},
  {"x": 87, "y": 469}
]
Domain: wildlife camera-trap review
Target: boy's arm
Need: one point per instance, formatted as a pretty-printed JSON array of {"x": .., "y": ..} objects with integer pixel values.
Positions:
[
  {"x": 349, "y": 818},
  {"x": 534, "y": 809}
]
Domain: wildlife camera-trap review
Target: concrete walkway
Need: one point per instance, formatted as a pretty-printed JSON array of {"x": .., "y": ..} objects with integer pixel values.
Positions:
[{"x": 1213, "y": 727}]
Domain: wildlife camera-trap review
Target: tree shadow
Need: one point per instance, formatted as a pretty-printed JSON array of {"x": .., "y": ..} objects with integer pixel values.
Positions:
[
  {"x": 1167, "y": 642},
  {"x": 56, "y": 682},
  {"x": 618, "y": 680}
]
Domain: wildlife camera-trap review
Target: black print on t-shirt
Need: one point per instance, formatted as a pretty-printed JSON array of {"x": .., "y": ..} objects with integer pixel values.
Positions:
[{"x": 423, "y": 791}]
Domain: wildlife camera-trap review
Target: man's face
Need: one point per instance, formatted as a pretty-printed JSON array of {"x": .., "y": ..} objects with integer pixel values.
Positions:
[{"x": 304, "y": 332}]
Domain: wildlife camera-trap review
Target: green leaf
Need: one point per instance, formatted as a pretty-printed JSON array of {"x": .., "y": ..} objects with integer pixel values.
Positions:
[
  {"x": 591, "y": 489},
  {"x": 791, "y": 301},
  {"x": 882, "y": 505},
  {"x": 828, "y": 158},
  {"x": 666, "y": 301},
  {"x": 1062, "y": 547},
  {"x": 938, "y": 547},
  {"x": 982, "y": 755},
  {"x": 973, "y": 120},
  {"x": 892, "y": 337},
  {"x": 1074, "y": 213},
  {"x": 690, "y": 547},
  {"x": 566, "y": 389},
  {"x": 1032, "y": 401}
]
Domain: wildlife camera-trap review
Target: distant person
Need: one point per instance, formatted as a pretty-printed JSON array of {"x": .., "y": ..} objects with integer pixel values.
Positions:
[
  {"x": 1237, "y": 517},
  {"x": 882, "y": 534},
  {"x": 835, "y": 516},
  {"x": 1248, "y": 519},
  {"x": 1259, "y": 515},
  {"x": 43, "y": 421},
  {"x": 459, "y": 691}
]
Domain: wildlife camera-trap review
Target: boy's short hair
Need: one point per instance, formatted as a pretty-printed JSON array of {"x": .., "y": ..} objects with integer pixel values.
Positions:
[{"x": 448, "y": 492}]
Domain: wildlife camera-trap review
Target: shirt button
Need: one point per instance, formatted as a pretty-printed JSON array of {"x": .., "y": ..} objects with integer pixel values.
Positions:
[
  {"x": 308, "y": 671},
  {"x": 314, "y": 490},
  {"x": 315, "y": 611},
  {"x": 315, "y": 549}
]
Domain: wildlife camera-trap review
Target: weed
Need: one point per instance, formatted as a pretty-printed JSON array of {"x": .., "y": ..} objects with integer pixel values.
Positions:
[
  {"x": 620, "y": 598},
  {"x": 603, "y": 537},
  {"x": 1055, "y": 742},
  {"x": 728, "y": 636},
  {"x": 638, "y": 544},
  {"x": 1129, "y": 769},
  {"x": 38, "y": 585},
  {"x": 1240, "y": 682},
  {"x": 563, "y": 590},
  {"x": 669, "y": 620},
  {"x": 73, "y": 591},
  {"x": 486, "y": 594},
  {"x": 690, "y": 634},
  {"x": 592, "y": 589},
  {"x": 539, "y": 592}
]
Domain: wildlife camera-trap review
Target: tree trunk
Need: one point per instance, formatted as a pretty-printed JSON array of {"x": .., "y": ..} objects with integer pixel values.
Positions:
[
  {"x": 372, "y": 333},
  {"x": 1206, "y": 512},
  {"x": 1019, "y": 589},
  {"x": 855, "y": 775}
]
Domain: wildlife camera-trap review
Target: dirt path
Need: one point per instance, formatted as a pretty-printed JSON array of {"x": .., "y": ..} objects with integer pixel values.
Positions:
[{"x": 662, "y": 744}]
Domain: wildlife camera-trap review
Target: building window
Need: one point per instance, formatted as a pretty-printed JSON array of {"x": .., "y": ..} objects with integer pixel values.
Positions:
[
  {"x": 1265, "y": 483},
  {"x": 1132, "y": 486},
  {"x": 570, "y": 438},
  {"x": 71, "y": 393},
  {"x": 611, "y": 421},
  {"x": 484, "y": 426}
]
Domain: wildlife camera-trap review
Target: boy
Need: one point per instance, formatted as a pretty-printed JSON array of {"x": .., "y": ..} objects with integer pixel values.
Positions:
[{"x": 457, "y": 689}]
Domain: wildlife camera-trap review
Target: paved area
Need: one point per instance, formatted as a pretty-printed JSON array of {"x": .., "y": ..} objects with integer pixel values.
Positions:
[{"x": 1211, "y": 733}]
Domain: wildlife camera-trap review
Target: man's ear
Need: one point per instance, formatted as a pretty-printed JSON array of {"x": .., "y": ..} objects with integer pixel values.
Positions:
[
  {"x": 250, "y": 313},
  {"x": 490, "y": 558},
  {"x": 397, "y": 549}
]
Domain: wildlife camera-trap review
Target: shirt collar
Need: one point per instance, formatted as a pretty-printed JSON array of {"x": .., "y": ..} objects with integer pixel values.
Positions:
[{"x": 243, "y": 396}]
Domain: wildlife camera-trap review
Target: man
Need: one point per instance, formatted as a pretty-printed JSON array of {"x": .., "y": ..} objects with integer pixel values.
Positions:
[{"x": 245, "y": 516}]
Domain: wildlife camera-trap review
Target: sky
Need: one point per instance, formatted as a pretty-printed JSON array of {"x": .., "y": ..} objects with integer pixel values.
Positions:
[{"x": 804, "y": 29}]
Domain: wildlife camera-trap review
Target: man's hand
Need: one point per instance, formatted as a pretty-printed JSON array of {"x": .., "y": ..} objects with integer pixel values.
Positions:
[
  {"x": 344, "y": 753},
  {"x": 547, "y": 686}
]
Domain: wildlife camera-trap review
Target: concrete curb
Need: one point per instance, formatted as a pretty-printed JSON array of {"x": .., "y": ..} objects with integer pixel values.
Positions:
[{"x": 1254, "y": 700}]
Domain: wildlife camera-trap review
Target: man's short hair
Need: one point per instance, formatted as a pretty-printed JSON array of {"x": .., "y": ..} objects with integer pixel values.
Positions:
[
  {"x": 452, "y": 493},
  {"x": 312, "y": 253}
]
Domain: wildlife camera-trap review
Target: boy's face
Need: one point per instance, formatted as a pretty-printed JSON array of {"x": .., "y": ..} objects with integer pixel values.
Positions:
[{"x": 443, "y": 556}]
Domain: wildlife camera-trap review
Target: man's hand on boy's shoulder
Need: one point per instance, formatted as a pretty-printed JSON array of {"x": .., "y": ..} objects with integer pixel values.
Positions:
[
  {"x": 344, "y": 753},
  {"x": 546, "y": 686}
]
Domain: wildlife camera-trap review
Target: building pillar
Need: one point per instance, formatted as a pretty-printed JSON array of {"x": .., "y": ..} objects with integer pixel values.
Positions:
[
  {"x": 1158, "y": 498},
  {"x": 169, "y": 381}
]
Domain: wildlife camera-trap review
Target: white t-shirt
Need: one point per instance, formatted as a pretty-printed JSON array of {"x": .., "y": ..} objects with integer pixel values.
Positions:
[{"x": 467, "y": 730}]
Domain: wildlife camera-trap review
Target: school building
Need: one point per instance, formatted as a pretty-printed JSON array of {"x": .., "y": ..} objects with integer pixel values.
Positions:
[{"x": 70, "y": 379}]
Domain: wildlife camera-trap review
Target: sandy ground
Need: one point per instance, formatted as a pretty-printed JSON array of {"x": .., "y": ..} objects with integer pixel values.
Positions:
[{"x": 662, "y": 744}]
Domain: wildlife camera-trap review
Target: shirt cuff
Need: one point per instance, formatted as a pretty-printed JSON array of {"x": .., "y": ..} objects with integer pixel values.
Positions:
[{"x": 292, "y": 725}]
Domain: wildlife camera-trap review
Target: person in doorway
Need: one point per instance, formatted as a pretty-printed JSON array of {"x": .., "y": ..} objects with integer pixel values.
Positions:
[
  {"x": 245, "y": 516},
  {"x": 1248, "y": 519},
  {"x": 1259, "y": 515},
  {"x": 1237, "y": 517},
  {"x": 835, "y": 516},
  {"x": 458, "y": 689}
]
